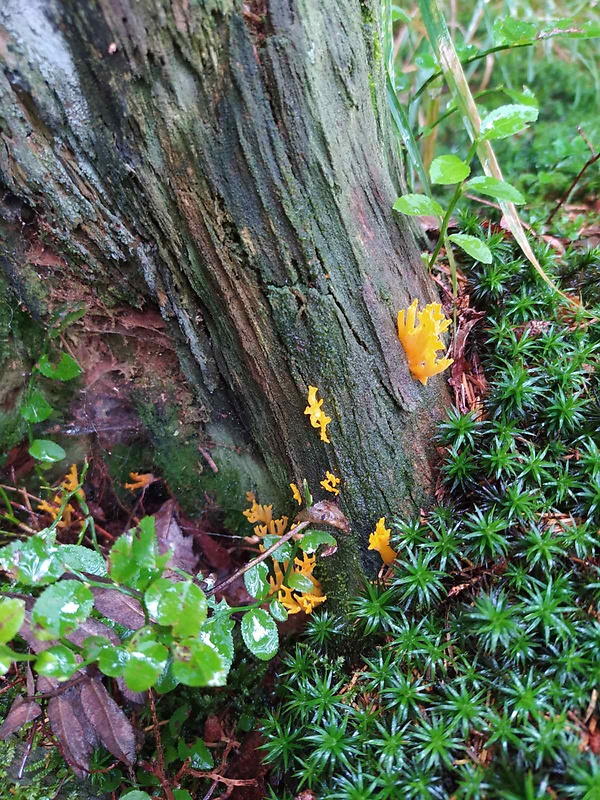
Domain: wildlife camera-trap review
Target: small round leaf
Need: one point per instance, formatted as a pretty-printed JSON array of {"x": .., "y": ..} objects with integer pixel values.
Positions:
[
  {"x": 56, "y": 662},
  {"x": 473, "y": 246},
  {"x": 418, "y": 205},
  {"x": 448, "y": 169},
  {"x": 260, "y": 633},
  {"x": 46, "y": 451}
]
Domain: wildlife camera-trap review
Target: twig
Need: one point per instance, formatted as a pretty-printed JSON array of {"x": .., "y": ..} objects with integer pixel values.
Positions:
[
  {"x": 160, "y": 756},
  {"x": 565, "y": 197},
  {"x": 242, "y": 570}
]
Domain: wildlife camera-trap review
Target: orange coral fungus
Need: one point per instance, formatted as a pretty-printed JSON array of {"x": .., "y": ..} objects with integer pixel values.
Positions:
[
  {"x": 318, "y": 418},
  {"x": 330, "y": 482},
  {"x": 52, "y": 507},
  {"x": 422, "y": 341},
  {"x": 264, "y": 514},
  {"x": 380, "y": 540},
  {"x": 296, "y": 493},
  {"x": 139, "y": 481},
  {"x": 293, "y": 600}
]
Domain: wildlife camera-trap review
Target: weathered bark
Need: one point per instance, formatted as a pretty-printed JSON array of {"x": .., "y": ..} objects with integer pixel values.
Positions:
[{"x": 232, "y": 164}]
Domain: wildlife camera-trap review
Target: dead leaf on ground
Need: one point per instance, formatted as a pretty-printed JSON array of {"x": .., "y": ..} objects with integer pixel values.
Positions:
[
  {"x": 119, "y": 608},
  {"x": 170, "y": 537},
  {"x": 112, "y": 726},
  {"x": 68, "y": 729},
  {"x": 21, "y": 712}
]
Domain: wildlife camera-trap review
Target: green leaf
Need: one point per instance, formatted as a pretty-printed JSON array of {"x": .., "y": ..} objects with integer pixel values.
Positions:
[
  {"x": 93, "y": 646},
  {"x": 399, "y": 15},
  {"x": 46, "y": 451},
  {"x": 507, "y": 120},
  {"x": 6, "y": 659},
  {"x": 196, "y": 663},
  {"x": 498, "y": 189},
  {"x": 147, "y": 660},
  {"x": 65, "y": 370},
  {"x": 283, "y": 553},
  {"x": 511, "y": 30},
  {"x": 182, "y": 605},
  {"x": 418, "y": 205},
  {"x": 60, "y": 609},
  {"x": 134, "y": 557},
  {"x": 36, "y": 408},
  {"x": 312, "y": 539},
  {"x": 448, "y": 169},
  {"x": 201, "y": 756},
  {"x": 82, "y": 559},
  {"x": 260, "y": 633},
  {"x": 63, "y": 317},
  {"x": 473, "y": 246},
  {"x": 300, "y": 582},
  {"x": 167, "y": 681},
  {"x": 278, "y": 611},
  {"x": 571, "y": 29},
  {"x": 136, "y": 794},
  {"x": 256, "y": 581},
  {"x": 113, "y": 660},
  {"x": 56, "y": 662},
  {"x": 33, "y": 561},
  {"x": 524, "y": 98},
  {"x": 182, "y": 794},
  {"x": 12, "y": 614},
  {"x": 216, "y": 633}
]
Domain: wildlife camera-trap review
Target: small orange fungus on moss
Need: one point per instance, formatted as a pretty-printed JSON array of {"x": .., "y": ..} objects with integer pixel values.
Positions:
[
  {"x": 422, "y": 341},
  {"x": 139, "y": 481},
  {"x": 380, "y": 540},
  {"x": 296, "y": 493},
  {"x": 330, "y": 483},
  {"x": 318, "y": 418},
  {"x": 68, "y": 486}
]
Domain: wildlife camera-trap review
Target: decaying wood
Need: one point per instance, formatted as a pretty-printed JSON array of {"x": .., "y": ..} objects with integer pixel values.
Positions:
[{"x": 235, "y": 171}]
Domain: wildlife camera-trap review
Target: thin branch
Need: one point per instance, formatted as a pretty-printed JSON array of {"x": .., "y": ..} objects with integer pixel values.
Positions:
[
  {"x": 286, "y": 537},
  {"x": 565, "y": 197}
]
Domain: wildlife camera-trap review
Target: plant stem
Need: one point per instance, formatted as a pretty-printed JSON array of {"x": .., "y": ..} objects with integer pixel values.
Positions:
[{"x": 452, "y": 205}]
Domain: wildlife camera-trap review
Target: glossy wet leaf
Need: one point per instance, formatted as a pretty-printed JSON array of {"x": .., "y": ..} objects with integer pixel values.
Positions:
[
  {"x": 83, "y": 559},
  {"x": 283, "y": 553},
  {"x": 448, "y": 169},
  {"x": 196, "y": 663},
  {"x": 46, "y": 451},
  {"x": 473, "y": 246},
  {"x": 56, "y": 662},
  {"x": 147, "y": 660},
  {"x": 65, "y": 369},
  {"x": 260, "y": 633},
  {"x": 278, "y": 611},
  {"x": 181, "y": 605},
  {"x": 498, "y": 189},
  {"x": 507, "y": 120},
  {"x": 300, "y": 582},
  {"x": 36, "y": 408},
  {"x": 112, "y": 661},
  {"x": 12, "y": 614},
  {"x": 311, "y": 540},
  {"x": 216, "y": 633},
  {"x": 134, "y": 557},
  {"x": 256, "y": 581},
  {"x": 418, "y": 205},
  {"x": 33, "y": 561},
  {"x": 7, "y": 656},
  {"x": 60, "y": 609}
]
